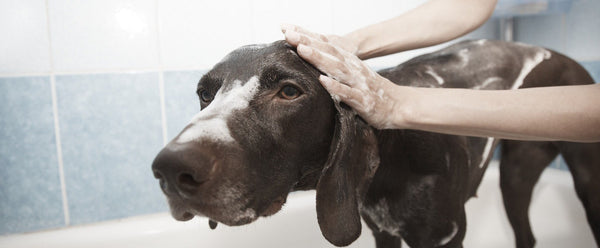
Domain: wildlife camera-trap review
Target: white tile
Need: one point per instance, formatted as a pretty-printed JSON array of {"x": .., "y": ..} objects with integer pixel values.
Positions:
[
  {"x": 391, "y": 9},
  {"x": 315, "y": 15},
  {"x": 488, "y": 30},
  {"x": 197, "y": 34},
  {"x": 103, "y": 34},
  {"x": 349, "y": 15},
  {"x": 24, "y": 46}
]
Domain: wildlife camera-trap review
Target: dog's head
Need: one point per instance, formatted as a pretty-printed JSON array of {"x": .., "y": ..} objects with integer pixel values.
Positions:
[{"x": 267, "y": 127}]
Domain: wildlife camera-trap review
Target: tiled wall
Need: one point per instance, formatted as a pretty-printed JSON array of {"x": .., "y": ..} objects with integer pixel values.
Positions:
[
  {"x": 91, "y": 90},
  {"x": 575, "y": 34}
]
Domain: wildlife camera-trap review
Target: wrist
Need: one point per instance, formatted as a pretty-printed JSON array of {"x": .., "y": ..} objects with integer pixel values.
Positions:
[
  {"x": 370, "y": 43},
  {"x": 406, "y": 113},
  {"x": 359, "y": 39}
]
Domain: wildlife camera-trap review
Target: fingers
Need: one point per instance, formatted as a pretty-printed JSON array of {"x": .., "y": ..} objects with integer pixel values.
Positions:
[
  {"x": 288, "y": 27},
  {"x": 317, "y": 50},
  {"x": 296, "y": 35},
  {"x": 322, "y": 55},
  {"x": 327, "y": 63},
  {"x": 295, "y": 39},
  {"x": 341, "y": 92}
]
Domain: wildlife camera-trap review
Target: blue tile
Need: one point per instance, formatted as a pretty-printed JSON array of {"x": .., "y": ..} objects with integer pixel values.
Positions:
[
  {"x": 593, "y": 67},
  {"x": 110, "y": 127},
  {"x": 561, "y": 164},
  {"x": 181, "y": 101},
  {"x": 546, "y": 31},
  {"x": 497, "y": 153},
  {"x": 30, "y": 195},
  {"x": 583, "y": 30},
  {"x": 555, "y": 163},
  {"x": 489, "y": 30}
]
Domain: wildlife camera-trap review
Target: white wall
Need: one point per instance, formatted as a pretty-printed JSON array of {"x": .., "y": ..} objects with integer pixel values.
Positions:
[{"x": 62, "y": 36}]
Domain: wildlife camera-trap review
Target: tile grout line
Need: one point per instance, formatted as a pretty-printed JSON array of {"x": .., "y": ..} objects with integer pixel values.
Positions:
[
  {"x": 59, "y": 154},
  {"x": 61, "y": 171},
  {"x": 563, "y": 31},
  {"x": 163, "y": 111},
  {"x": 154, "y": 69},
  {"x": 161, "y": 78},
  {"x": 106, "y": 71}
]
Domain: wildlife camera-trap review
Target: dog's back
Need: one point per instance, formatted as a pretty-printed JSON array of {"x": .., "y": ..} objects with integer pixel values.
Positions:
[{"x": 489, "y": 65}]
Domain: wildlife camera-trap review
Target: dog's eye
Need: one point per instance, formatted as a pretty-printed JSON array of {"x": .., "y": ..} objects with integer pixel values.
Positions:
[
  {"x": 206, "y": 96},
  {"x": 289, "y": 92}
]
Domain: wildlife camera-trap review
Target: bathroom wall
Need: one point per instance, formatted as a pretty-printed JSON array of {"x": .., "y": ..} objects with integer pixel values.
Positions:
[
  {"x": 575, "y": 33},
  {"x": 91, "y": 90}
]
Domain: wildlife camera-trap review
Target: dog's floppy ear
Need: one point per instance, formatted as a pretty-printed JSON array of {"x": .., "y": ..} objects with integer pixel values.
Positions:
[{"x": 353, "y": 159}]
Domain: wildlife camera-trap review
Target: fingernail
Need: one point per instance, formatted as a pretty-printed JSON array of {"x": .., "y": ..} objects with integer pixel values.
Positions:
[
  {"x": 304, "y": 50},
  {"x": 292, "y": 36},
  {"x": 326, "y": 81},
  {"x": 323, "y": 78},
  {"x": 336, "y": 97},
  {"x": 285, "y": 27}
]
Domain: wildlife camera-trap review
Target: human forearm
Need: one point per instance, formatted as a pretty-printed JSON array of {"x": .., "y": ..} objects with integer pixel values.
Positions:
[
  {"x": 432, "y": 23},
  {"x": 569, "y": 113}
]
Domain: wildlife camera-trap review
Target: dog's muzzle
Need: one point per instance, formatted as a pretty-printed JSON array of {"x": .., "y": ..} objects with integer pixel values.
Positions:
[{"x": 183, "y": 169}]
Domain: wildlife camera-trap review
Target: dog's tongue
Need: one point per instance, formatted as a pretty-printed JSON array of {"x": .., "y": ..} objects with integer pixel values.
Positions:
[{"x": 212, "y": 224}]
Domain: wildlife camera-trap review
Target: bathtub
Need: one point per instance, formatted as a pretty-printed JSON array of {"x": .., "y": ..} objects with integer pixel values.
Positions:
[{"x": 558, "y": 220}]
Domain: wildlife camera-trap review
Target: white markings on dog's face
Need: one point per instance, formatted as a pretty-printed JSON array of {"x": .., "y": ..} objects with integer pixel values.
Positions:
[
  {"x": 487, "y": 151},
  {"x": 481, "y": 42},
  {"x": 432, "y": 73},
  {"x": 235, "y": 204},
  {"x": 211, "y": 122},
  {"x": 248, "y": 214},
  {"x": 529, "y": 64},
  {"x": 450, "y": 236}
]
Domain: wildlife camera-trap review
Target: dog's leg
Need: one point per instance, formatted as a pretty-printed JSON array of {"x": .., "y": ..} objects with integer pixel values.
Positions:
[
  {"x": 429, "y": 232},
  {"x": 386, "y": 240},
  {"x": 584, "y": 162},
  {"x": 457, "y": 235},
  {"x": 383, "y": 239},
  {"x": 521, "y": 165}
]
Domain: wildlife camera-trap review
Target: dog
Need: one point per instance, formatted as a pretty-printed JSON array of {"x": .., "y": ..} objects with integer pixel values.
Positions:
[{"x": 267, "y": 127}]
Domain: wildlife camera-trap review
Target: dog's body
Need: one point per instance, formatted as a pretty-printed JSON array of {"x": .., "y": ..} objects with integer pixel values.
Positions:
[
  {"x": 476, "y": 65},
  {"x": 253, "y": 143}
]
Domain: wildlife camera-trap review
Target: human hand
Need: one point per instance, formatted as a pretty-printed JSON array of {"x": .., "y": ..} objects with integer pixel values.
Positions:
[
  {"x": 349, "y": 79},
  {"x": 342, "y": 42}
]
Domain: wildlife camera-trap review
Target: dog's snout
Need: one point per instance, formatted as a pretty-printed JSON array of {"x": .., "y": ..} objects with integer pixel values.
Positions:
[
  {"x": 158, "y": 175},
  {"x": 187, "y": 182},
  {"x": 181, "y": 171}
]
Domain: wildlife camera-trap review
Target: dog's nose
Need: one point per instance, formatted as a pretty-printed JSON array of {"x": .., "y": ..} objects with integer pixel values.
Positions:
[{"x": 181, "y": 170}]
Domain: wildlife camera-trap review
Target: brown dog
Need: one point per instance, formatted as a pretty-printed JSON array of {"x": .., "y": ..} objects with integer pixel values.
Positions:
[{"x": 267, "y": 127}]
